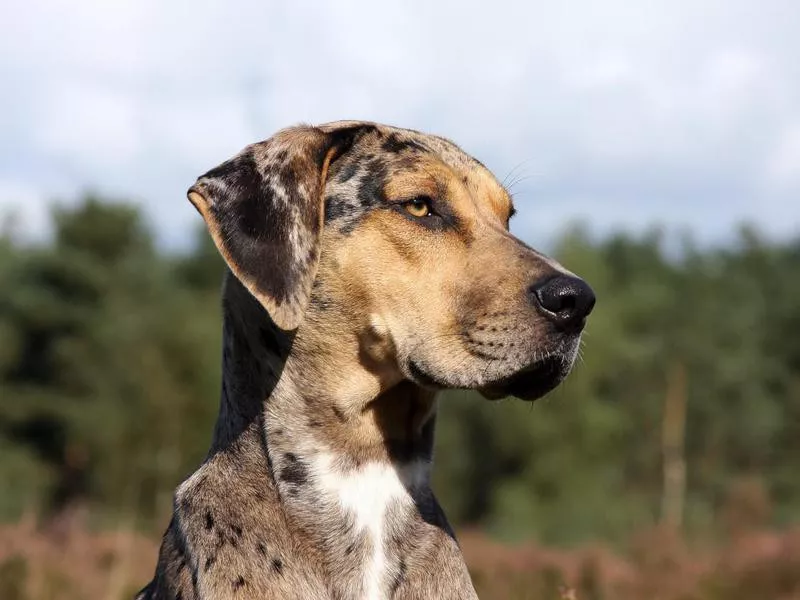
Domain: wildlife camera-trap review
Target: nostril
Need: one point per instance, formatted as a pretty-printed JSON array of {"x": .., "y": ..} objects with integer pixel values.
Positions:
[
  {"x": 568, "y": 302},
  {"x": 564, "y": 300},
  {"x": 555, "y": 295}
]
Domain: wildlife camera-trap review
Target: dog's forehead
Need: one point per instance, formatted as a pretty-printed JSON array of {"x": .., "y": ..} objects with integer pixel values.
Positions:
[
  {"x": 389, "y": 145},
  {"x": 392, "y": 139}
]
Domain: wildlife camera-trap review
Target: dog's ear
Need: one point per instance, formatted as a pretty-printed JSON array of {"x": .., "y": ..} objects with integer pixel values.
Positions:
[{"x": 264, "y": 210}]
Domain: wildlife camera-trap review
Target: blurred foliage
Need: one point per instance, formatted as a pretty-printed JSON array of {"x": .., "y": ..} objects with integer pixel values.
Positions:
[{"x": 109, "y": 378}]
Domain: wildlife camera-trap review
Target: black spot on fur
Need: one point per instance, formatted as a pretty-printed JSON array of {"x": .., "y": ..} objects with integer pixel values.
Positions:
[
  {"x": 237, "y": 530},
  {"x": 339, "y": 414},
  {"x": 394, "y": 144},
  {"x": 321, "y": 302},
  {"x": 345, "y": 138},
  {"x": 336, "y": 208},
  {"x": 295, "y": 472},
  {"x": 348, "y": 172},
  {"x": 287, "y": 175},
  {"x": 239, "y": 583},
  {"x": 209, "y": 521},
  {"x": 370, "y": 192},
  {"x": 260, "y": 495},
  {"x": 398, "y": 579},
  {"x": 261, "y": 548},
  {"x": 209, "y": 562},
  {"x": 179, "y": 595},
  {"x": 349, "y": 550},
  {"x": 220, "y": 541},
  {"x": 277, "y": 565},
  {"x": 319, "y": 298}
]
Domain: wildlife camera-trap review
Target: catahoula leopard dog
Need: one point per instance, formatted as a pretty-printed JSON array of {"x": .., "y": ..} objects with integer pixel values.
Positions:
[{"x": 368, "y": 268}]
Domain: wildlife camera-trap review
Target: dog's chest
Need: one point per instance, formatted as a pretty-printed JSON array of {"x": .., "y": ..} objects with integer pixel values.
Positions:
[{"x": 375, "y": 496}]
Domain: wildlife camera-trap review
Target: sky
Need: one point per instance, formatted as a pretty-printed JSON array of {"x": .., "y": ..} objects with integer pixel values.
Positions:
[{"x": 618, "y": 114}]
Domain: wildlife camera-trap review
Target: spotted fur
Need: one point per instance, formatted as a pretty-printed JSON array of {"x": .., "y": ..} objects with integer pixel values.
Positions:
[{"x": 344, "y": 314}]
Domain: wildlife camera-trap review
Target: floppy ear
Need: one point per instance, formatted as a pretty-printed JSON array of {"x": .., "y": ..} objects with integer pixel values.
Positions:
[{"x": 264, "y": 210}]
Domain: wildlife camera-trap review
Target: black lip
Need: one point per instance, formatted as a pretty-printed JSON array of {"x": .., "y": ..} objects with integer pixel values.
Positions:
[
  {"x": 529, "y": 384},
  {"x": 423, "y": 378},
  {"x": 532, "y": 383}
]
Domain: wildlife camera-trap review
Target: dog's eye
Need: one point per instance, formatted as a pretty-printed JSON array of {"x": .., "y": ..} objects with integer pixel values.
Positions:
[{"x": 419, "y": 207}]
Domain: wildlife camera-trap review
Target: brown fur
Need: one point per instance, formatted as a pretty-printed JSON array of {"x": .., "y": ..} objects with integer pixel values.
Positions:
[{"x": 343, "y": 315}]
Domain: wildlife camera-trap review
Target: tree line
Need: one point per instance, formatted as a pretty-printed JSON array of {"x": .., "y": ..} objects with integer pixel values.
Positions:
[{"x": 685, "y": 405}]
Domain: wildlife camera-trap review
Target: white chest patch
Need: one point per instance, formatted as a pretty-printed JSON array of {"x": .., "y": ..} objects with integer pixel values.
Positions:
[{"x": 366, "y": 493}]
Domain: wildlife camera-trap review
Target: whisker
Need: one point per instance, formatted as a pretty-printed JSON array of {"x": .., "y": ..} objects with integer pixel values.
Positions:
[
  {"x": 510, "y": 174},
  {"x": 518, "y": 180}
]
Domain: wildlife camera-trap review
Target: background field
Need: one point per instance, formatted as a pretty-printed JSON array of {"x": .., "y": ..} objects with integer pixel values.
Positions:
[
  {"x": 653, "y": 147},
  {"x": 109, "y": 374}
]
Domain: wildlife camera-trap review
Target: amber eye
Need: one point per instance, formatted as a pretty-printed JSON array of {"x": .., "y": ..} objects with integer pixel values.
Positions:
[{"x": 418, "y": 207}]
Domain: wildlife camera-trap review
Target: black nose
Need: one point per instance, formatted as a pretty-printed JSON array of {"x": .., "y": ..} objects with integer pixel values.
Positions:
[{"x": 565, "y": 300}]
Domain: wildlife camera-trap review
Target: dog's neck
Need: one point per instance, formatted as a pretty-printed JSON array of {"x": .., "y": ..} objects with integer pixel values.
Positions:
[
  {"x": 313, "y": 401},
  {"x": 326, "y": 454}
]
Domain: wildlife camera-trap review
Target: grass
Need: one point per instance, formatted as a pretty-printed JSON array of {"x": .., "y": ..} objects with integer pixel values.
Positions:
[{"x": 68, "y": 562}]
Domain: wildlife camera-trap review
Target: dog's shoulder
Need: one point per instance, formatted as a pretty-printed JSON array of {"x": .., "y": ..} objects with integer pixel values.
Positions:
[
  {"x": 229, "y": 538},
  {"x": 174, "y": 578}
]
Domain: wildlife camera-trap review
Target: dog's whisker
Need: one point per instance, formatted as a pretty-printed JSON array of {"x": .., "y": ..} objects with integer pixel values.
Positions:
[
  {"x": 517, "y": 182},
  {"x": 510, "y": 174}
]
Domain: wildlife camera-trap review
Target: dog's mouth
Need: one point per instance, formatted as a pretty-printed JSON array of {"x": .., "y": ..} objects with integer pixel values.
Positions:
[
  {"x": 424, "y": 378},
  {"x": 529, "y": 384},
  {"x": 532, "y": 382}
]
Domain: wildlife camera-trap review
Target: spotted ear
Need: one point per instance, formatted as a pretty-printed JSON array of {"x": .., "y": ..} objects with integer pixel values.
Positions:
[{"x": 264, "y": 210}]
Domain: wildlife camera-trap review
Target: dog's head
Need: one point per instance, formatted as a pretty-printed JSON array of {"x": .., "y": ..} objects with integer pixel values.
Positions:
[{"x": 397, "y": 241}]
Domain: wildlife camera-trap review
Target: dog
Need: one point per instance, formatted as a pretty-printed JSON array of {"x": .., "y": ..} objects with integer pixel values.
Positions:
[{"x": 369, "y": 267}]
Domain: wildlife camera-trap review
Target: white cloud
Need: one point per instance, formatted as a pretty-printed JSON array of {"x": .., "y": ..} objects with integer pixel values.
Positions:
[
  {"x": 783, "y": 165},
  {"x": 23, "y": 211},
  {"x": 88, "y": 125},
  {"x": 621, "y": 113}
]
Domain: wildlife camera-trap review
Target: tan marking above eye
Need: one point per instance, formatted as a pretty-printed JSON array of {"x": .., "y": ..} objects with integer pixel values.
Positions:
[{"x": 418, "y": 207}]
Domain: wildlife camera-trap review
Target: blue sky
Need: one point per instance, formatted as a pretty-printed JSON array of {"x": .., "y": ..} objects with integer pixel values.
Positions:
[{"x": 617, "y": 113}]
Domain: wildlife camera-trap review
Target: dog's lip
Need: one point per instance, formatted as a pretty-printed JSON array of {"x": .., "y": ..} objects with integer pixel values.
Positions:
[
  {"x": 423, "y": 378},
  {"x": 530, "y": 383}
]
